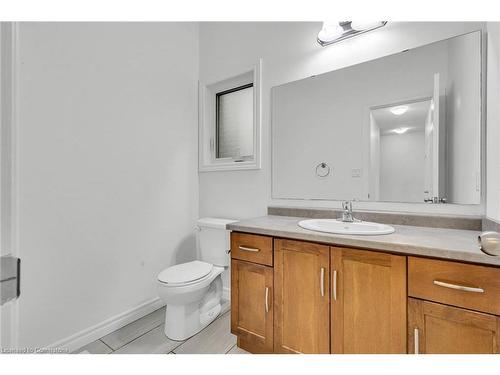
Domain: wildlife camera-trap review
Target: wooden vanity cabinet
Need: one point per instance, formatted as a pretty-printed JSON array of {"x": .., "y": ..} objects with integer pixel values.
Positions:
[
  {"x": 302, "y": 297},
  {"x": 292, "y": 296},
  {"x": 434, "y": 328},
  {"x": 251, "y": 306},
  {"x": 368, "y": 302}
]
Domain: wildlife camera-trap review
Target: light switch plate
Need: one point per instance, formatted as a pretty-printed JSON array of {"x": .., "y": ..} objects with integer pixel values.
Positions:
[{"x": 356, "y": 172}]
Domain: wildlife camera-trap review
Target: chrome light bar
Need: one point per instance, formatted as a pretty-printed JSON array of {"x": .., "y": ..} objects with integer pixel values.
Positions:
[{"x": 335, "y": 32}]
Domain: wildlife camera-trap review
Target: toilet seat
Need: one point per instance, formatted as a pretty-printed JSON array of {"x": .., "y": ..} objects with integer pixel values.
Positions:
[{"x": 185, "y": 273}]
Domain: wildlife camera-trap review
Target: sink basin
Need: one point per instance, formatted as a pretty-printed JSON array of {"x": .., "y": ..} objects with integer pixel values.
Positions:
[{"x": 340, "y": 227}]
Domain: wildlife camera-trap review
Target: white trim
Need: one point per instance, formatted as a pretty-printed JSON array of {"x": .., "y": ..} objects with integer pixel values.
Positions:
[
  {"x": 15, "y": 225},
  {"x": 206, "y": 125},
  {"x": 95, "y": 332},
  {"x": 226, "y": 293},
  {"x": 10, "y": 245}
]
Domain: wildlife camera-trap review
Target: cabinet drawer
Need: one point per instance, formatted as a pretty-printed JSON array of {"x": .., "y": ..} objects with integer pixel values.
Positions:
[
  {"x": 464, "y": 285},
  {"x": 252, "y": 248}
]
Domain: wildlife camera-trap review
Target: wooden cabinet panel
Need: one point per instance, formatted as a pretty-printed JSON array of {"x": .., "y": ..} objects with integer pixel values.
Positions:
[
  {"x": 463, "y": 285},
  {"x": 302, "y": 312},
  {"x": 252, "y": 248},
  {"x": 368, "y": 302},
  {"x": 434, "y": 328},
  {"x": 251, "y": 306}
]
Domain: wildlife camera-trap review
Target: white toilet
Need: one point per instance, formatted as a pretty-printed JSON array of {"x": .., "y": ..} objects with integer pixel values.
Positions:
[{"x": 193, "y": 290}]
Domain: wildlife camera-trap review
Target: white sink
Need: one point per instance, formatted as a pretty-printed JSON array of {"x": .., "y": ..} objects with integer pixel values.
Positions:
[{"x": 340, "y": 227}]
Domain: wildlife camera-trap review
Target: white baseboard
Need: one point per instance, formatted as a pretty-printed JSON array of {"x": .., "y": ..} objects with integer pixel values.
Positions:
[{"x": 99, "y": 330}]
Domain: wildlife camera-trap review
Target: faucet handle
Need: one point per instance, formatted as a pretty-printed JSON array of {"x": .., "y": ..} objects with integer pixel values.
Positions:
[{"x": 347, "y": 205}]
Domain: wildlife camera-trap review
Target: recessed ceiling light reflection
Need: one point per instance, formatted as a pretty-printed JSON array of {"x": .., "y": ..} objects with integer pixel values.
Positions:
[
  {"x": 399, "y": 110},
  {"x": 400, "y": 130}
]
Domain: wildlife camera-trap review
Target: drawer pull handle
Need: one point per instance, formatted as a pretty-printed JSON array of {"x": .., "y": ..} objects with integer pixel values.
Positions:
[
  {"x": 458, "y": 287},
  {"x": 416, "y": 340},
  {"x": 322, "y": 282},
  {"x": 251, "y": 249},
  {"x": 335, "y": 285},
  {"x": 267, "y": 299}
]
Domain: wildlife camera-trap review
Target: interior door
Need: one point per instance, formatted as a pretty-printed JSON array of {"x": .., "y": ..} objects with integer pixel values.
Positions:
[{"x": 302, "y": 298}]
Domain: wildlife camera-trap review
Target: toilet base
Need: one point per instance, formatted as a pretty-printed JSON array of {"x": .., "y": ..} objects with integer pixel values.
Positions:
[
  {"x": 191, "y": 323},
  {"x": 184, "y": 321}
]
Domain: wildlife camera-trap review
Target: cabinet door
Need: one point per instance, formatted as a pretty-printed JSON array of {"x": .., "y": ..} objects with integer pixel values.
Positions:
[
  {"x": 434, "y": 328},
  {"x": 251, "y": 306},
  {"x": 302, "y": 311},
  {"x": 368, "y": 302}
]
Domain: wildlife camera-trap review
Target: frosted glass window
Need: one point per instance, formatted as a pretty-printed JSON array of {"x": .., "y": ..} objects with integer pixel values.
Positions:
[{"x": 234, "y": 128}]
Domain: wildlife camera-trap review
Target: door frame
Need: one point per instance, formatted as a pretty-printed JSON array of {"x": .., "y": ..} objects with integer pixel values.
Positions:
[
  {"x": 367, "y": 149},
  {"x": 9, "y": 233}
]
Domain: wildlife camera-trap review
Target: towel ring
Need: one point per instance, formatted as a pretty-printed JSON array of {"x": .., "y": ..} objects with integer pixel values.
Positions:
[{"x": 322, "y": 170}]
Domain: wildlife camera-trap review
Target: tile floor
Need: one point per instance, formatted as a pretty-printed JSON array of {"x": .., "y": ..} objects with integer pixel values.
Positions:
[{"x": 146, "y": 336}]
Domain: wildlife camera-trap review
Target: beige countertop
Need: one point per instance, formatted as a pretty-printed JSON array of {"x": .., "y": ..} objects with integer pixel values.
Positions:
[{"x": 452, "y": 244}]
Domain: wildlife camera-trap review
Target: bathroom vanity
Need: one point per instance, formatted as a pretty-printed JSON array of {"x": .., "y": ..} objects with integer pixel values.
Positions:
[
  {"x": 418, "y": 290},
  {"x": 406, "y": 130}
]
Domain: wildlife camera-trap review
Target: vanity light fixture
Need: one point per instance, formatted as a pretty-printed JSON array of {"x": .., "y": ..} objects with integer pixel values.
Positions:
[
  {"x": 398, "y": 111},
  {"x": 400, "y": 130},
  {"x": 333, "y": 32}
]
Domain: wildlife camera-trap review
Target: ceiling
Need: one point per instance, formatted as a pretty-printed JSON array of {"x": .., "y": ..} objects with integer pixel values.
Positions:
[{"x": 414, "y": 118}]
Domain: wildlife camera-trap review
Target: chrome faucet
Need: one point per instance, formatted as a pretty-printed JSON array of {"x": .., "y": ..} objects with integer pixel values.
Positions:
[{"x": 347, "y": 212}]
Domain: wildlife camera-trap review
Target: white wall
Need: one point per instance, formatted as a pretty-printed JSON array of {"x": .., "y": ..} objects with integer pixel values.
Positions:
[
  {"x": 493, "y": 122},
  {"x": 290, "y": 52},
  {"x": 107, "y": 168}
]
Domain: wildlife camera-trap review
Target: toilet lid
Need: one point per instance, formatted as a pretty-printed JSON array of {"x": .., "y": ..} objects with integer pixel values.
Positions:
[{"x": 185, "y": 272}]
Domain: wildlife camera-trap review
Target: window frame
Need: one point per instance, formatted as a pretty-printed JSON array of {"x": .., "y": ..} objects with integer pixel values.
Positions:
[{"x": 208, "y": 124}]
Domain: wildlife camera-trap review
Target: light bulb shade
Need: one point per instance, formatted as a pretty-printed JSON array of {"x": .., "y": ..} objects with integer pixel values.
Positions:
[
  {"x": 333, "y": 32},
  {"x": 366, "y": 25},
  {"x": 330, "y": 31}
]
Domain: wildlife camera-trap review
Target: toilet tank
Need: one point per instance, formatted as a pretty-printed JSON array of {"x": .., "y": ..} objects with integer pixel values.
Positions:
[{"x": 214, "y": 240}]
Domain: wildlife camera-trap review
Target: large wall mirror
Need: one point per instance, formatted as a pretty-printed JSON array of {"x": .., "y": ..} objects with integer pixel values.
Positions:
[{"x": 402, "y": 128}]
